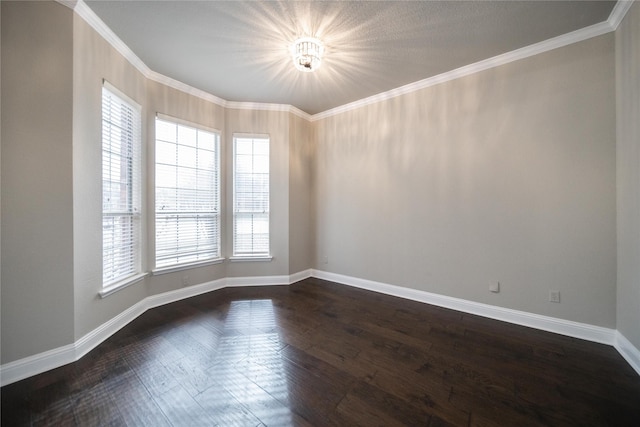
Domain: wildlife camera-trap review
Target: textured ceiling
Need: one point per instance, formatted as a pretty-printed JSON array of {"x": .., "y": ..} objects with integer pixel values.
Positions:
[{"x": 239, "y": 50}]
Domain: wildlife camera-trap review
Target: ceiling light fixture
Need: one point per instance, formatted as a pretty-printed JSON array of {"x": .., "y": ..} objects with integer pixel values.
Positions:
[{"x": 307, "y": 54}]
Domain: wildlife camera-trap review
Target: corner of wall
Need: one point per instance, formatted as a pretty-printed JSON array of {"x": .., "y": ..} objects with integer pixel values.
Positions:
[{"x": 627, "y": 45}]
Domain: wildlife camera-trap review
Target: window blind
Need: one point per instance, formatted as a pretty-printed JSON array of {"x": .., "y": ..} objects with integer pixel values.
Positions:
[
  {"x": 251, "y": 196},
  {"x": 121, "y": 197},
  {"x": 187, "y": 194}
]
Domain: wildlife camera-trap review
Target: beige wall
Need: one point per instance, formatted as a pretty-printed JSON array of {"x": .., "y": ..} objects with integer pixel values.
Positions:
[
  {"x": 628, "y": 169},
  {"x": 94, "y": 60},
  {"x": 37, "y": 215},
  {"x": 301, "y": 151},
  {"x": 276, "y": 125},
  {"x": 164, "y": 100},
  {"x": 505, "y": 175}
]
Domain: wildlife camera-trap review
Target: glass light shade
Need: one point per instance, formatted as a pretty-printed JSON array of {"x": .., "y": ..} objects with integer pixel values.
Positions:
[{"x": 307, "y": 54}]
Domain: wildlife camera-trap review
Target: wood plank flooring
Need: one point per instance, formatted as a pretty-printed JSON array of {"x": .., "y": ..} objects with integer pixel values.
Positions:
[{"x": 318, "y": 353}]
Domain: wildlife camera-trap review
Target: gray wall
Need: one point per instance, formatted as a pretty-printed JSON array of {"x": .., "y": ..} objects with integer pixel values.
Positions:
[
  {"x": 37, "y": 214},
  {"x": 628, "y": 168},
  {"x": 505, "y": 175}
]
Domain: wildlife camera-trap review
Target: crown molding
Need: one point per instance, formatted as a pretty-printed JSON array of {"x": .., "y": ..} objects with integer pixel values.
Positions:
[
  {"x": 619, "y": 12},
  {"x": 268, "y": 107},
  {"x": 98, "y": 24},
  {"x": 298, "y": 112},
  {"x": 71, "y": 4},
  {"x": 85, "y": 12},
  {"x": 611, "y": 24},
  {"x": 617, "y": 15},
  {"x": 496, "y": 61},
  {"x": 183, "y": 87}
]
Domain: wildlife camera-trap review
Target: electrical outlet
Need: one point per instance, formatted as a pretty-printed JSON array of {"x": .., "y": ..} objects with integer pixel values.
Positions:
[
  {"x": 185, "y": 280},
  {"x": 554, "y": 296},
  {"x": 494, "y": 287},
  {"x": 325, "y": 260}
]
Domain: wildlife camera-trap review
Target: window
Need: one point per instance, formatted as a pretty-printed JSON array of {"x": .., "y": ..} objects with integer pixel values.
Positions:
[
  {"x": 121, "y": 197},
  {"x": 187, "y": 194},
  {"x": 251, "y": 196}
]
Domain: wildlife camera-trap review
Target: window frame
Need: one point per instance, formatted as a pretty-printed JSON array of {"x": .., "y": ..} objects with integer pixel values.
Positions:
[
  {"x": 253, "y": 255},
  {"x": 134, "y": 184},
  {"x": 217, "y": 257}
]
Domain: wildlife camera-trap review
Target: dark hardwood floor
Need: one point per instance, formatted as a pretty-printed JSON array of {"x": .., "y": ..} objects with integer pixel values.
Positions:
[{"x": 321, "y": 354}]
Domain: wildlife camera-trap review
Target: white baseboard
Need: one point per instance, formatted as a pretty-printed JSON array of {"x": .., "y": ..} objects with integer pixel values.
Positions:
[
  {"x": 627, "y": 350},
  {"x": 51, "y": 359},
  {"x": 257, "y": 281},
  {"x": 41, "y": 362},
  {"x": 551, "y": 324},
  {"x": 301, "y": 275},
  {"x": 546, "y": 323},
  {"x": 92, "y": 339}
]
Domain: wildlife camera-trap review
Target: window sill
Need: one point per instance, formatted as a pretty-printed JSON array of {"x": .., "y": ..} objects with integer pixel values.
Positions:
[
  {"x": 108, "y": 290},
  {"x": 174, "y": 268},
  {"x": 251, "y": 258}
]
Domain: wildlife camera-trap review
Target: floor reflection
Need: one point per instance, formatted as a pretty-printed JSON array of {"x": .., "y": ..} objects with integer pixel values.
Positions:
[{"x": 249, "y": 365}]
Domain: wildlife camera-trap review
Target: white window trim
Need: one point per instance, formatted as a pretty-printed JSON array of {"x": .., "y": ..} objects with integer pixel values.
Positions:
[
  {"x": 185, "y": 266},
  {"x": 180, "y": 267},
  {"x": 140, "y": 275},
  {"x": 184, "y": 122},
  {"x": 115, "y": 287},
  {"x": 248, "y": 257}
]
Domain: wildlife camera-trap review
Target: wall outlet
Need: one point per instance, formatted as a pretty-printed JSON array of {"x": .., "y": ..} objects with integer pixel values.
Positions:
[
  {"x": 325, "y": 260},
  {"x": 185, "y": 281},
  {"x": 554, "y": 296},
  {"x": 494, "y": 287}
]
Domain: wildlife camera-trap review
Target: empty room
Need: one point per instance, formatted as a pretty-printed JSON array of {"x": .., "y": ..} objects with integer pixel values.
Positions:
[{"x": 320, "y": 213}]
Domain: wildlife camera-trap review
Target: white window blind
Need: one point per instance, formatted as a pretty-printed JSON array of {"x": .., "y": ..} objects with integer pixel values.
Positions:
[
  {"x": 187, "y": 194},
  {"x": 251, "y": 196},
  {"x": 121, "y": 197}
]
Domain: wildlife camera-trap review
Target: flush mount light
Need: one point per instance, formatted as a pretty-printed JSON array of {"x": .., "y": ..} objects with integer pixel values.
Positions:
[{"x": 307, "y": 54}]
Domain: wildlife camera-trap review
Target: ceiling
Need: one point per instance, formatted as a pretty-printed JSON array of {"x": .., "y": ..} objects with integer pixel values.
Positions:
[{"x": 239, "y": 50}]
